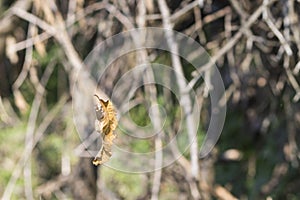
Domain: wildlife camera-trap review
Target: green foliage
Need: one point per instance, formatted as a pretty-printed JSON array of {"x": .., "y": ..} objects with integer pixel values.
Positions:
[
  {"x": 127, "y": 186},
  {"x": 58, "y": 81},
  {"x": 139, "y": 115},
  {"x": 49, "y": 156},
  {"x": 141, "y": 146},
  {"x": 11, "y": 150},
  {"x": 53, "y": 52}
]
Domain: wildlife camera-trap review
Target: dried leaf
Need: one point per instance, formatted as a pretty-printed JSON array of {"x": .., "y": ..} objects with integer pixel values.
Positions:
[{"x": 105, "y": 124}]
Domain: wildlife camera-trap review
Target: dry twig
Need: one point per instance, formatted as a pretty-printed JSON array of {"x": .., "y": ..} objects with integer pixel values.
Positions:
[
  {"x": 197, "y": 74},
  {"x": 151, "y": 91},
  {"x": 28, "y": 148},
  {"x": 184, "y": 98}
]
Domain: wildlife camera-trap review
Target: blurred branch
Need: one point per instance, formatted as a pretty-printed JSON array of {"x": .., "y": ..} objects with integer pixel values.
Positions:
[
  {"x": 21, "y": 13},
  {"x": 259, "y": 53},
  {"x": 117, "y": 14},
  {"x": 198, "y": 28},
  {"x": 229, "y": 45},
  {"x": 151, "y": 92},
  {"x": 268, "y": 19},
  {"x": 243, "y": 17},
  {"x": 29, "y": 147},
  {"x": 185, "y": 101},
  {"x": 223, "y": 194},
  {"x": 31, "y": 41},
  {"x": 279, "y": 171},
  {"x": 157, "y": 123},
  {"x": 186, "y": 165},
  {"x": 292, "y": 147},
  {"x": 239, "y": 9},
  {"x": 7, "y": 23},
  {"x": 183, "y": 11},
  {"x": 72, "y": 18},
  {"x": 27, "y": 63},
  {"x": 19, "y": 99},
  {"x": 294, "y": 84},
  {"x": 208, "y": 19},
  {"x": 293, "y": 22},
  {"x": 81, "y": 150},
  {"x": 71, "y": 12},
  {"x": 104, "y": 193},
  {"x": 85, "y": 177},
  {"x": 4, "y": 115},
  {"x": 50, "y": 187},
  {"x": 184, "y": 98},
  {"x": 58, "y": 31},
  {"x": 32, "y": 124}
]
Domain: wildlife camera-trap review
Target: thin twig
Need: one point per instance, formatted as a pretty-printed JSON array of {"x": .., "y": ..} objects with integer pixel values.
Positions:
[
  {"x": 216, "y": 15},
  {"x": 184, "y": 98},
  {"x": 294, "y": 84},
  {"x": 183, "y": 11},
  {"x": 28, "y": 148},
  {"x": 49, "y": 187},
  {"x": 58, "y": 31},
  {"x": 32, "y": 124},
  {"x": 229, "y": 45},
  {"x": 4, "y": 116},
  {"x": 31, "y": 41},
  {"x": 122, "y": 18},
  {"x": 185, "y": 164},
  {"x": 34, "y": 20},
  {"x": 291, "y": 132},
  {"x": 32, "y": 118},
  {"x": 71, "y": 12},
  {"x": 294, "y": 23},
  {"x": 208, "y": 19},
  {"x": 7, "y": 22},
  {"x": 199, "y": 25},
  {"x": 268, "y": 19},
  {"x": 239, "y": 9},
  {"x": 72, "y": 18},
  {"x": 223, "y": 194},
  {"x": 27, "y": 63},
  {"x": 151, "y": 92},
  {"x": 278, "y": 172}
]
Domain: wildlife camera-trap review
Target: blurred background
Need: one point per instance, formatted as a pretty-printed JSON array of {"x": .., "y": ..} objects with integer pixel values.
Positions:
[{"x": 256, "y": 46}]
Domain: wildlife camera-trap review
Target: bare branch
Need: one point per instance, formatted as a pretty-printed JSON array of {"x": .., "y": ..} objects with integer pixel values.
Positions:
[
  {"x": 279, "y": 171},
  {"x": 28, "y": 148},
  {"x": 34, "y": 20},
  {"x": 197, "y": 74},
  {"x": 183, "y": 11},
  {"x": 51, "y": 186},
  {"x": 223, "y": 194},
  {"x": 184, "y": 98},
  {"x": 27, "y": 62},
  {"x": 155, "y": 113},
  {"x": 7, "y": 22},
  {"x": 268, "y": 19}
]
